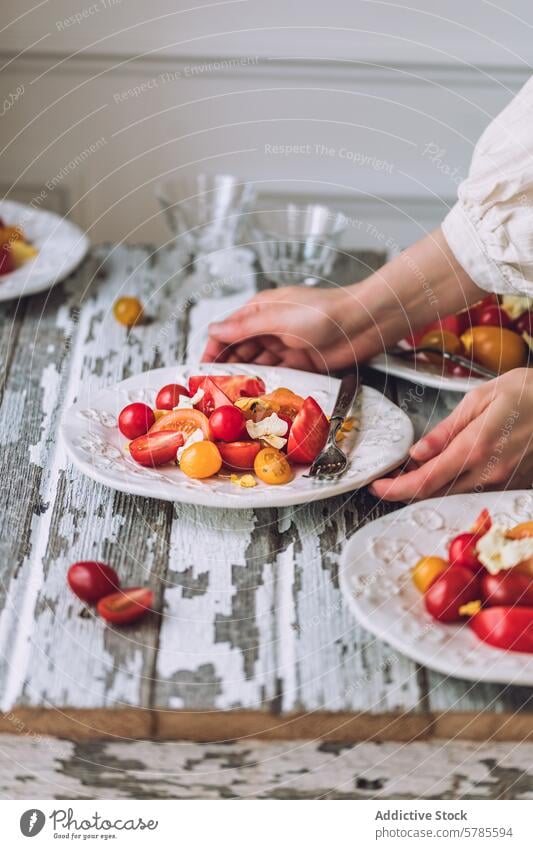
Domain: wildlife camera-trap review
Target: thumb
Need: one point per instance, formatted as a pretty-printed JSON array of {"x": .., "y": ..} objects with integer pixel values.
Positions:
[{"x": 437, "y": 439}]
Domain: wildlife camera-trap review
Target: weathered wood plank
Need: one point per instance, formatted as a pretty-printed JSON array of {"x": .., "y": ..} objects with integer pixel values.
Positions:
[{"x": 45, "y": 768}]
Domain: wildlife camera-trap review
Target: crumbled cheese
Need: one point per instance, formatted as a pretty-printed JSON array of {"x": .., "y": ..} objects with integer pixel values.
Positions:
[
  {"x": 470, "y": 608},
  {"x": 186, "y": 403},
  {"x": 271, "y": 430},
  {"x": 515, "y": 305},
  {"x": 196, "y": 436},
  {"x": 340, "y": 436},
  {"x": 348, "y": 424},
  {"x": 497, "y": 552},
  {"x": 245, "y": 480}
]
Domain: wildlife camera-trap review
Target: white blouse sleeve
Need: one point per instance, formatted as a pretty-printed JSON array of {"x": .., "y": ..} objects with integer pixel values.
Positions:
[{"x": 490, "y": 228}]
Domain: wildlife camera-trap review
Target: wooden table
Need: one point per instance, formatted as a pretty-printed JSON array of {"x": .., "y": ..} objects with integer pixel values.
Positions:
[{"x": 255, "y": 639}]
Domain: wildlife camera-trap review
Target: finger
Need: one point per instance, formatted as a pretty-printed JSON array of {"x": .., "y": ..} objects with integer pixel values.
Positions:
[
  {"x": 254, "y": 319},
  {"x": 214, "y": 351},
  {"x": 437, "y": 474},
  {"x": 246, "y": 352},
  {"x": 436, "y": 440},
  {"x": 267, "y": 358}
]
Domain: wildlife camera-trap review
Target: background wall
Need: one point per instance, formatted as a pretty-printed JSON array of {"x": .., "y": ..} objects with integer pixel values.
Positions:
[{"x": 384, "y": 102}]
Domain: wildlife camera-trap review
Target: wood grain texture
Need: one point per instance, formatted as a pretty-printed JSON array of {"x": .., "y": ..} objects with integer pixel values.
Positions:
[
  {"x": 254, "y": 636},
  {"x": 46, "y": 768}
]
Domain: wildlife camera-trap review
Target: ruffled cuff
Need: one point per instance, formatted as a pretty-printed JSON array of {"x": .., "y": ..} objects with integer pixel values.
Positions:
[{"x": 462, "y": 235}]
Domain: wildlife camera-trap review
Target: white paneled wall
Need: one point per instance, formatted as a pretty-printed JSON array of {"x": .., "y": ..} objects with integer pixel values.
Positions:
[{"x": 372, "y": 106}]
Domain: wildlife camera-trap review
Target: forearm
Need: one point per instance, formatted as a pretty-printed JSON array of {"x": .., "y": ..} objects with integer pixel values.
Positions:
[{"x": 424, "y": 283}]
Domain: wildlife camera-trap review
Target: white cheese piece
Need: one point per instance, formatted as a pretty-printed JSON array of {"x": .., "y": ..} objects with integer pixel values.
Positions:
[
  {"x": 271, "y": 430},
  {"x": 196, "y": 436},
  {"x": 497, "y": 553},
  {"x": 186, "y": 403}
]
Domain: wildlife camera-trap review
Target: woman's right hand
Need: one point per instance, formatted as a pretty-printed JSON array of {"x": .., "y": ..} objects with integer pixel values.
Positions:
[{"x": 296, "y": 327}]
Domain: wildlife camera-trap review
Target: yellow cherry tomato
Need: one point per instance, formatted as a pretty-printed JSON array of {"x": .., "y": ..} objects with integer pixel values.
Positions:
[
  {"x": 271, "y": 466},
  {"x": 201, "y": 460},
  {"x": 128, "y": 311},
  {"x": 441, "y": 340},
  {"x": 497, "y": 348},
  {"x": 427, "y": 570}
]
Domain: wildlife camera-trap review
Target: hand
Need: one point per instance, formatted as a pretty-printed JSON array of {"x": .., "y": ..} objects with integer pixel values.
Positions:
[
  {"x": 486, "y": 443},
  {"x": 295, "y": 327}
]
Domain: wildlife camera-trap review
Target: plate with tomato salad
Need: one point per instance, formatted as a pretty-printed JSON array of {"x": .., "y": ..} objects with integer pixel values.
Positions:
[
  {"x": 233, "y": 436},
  {"x": 449, "y": 583},
  {"x": 496, "y": 333}
]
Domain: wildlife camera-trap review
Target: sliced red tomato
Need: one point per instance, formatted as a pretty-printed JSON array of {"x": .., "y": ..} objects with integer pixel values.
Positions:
[
  {"x": 509, "y": 628},
  {"x": 213, "y": 398},
  {"x": 233, "y": 385},
  {"x": 308, "y": 433},
  {"x": 284, "y": 401},
  {"x": 156, "y": 449},
  {"x": 482, "y": 524},
  {"x": 126, "y": 606},
  {"x": 184, "y": 421},
  {"x": 239, "y": 455}
]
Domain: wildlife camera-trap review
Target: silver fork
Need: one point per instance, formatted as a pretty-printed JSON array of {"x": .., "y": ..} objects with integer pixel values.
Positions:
[
  {"x": 453, "y": 358},
  {"x": 332, "y": 462}
]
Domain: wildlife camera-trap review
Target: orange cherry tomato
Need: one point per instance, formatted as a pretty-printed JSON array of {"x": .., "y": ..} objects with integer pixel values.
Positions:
[
  {"x": 271, "y": 466},
  {"x": 185, "y": 421},
  {"x": 441, "y": 340},
  {"x": 128, "y": 311},
  {"x": 496, "y": 348},
  {"x": 201, "y": 460},
  {"x": 126, "y": 606},
  {"x": 427, "y": 570}
]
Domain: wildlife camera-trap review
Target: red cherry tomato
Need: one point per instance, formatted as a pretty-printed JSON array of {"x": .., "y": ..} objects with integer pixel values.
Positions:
[
  {"x": 449, "y": 592},
  {"x": 135, "y": 420},
  {"x": 168, "y": 396},
  {"x": 6, "y": 260},
  {"x": 524, "y": 323},
  {"x": 308, "y": 433},
  {"x": 228, "y": 423},
  {"x": 475, "y": 310},
  {"x": 239, "y": 456},
  {"x": 493, "y": 316},
  {"x": 90, "y": 580},
  {"x": 456, "y": 323},
  {"x": 128, "y": 605},
  {"x": 507, "y": 588},
  {"x": 156, "y": 449},
  {"x": 509, "y": 628},
  {"x": 232, "y": 385},
  {"x": 462, "y": 552}
]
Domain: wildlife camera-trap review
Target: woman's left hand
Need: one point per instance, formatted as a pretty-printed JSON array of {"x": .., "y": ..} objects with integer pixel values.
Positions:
[{"x": 486, "y": 443}]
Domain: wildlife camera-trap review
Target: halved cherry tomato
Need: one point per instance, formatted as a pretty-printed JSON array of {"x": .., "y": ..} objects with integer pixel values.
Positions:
[
  {"x": 271, "y": 466},
  {"x": 308, "y": 433},
  {"x": 227, "y": 423},
  {"x": 201, "y": 460},
  {"x": 168, "y": 396},
  {"x": 239, "y": 455},
  {"x": 462, "y": 552},
  {"x": 233, "y": 385},
  {"x": 507, "y": 588},
  {"x": 135, "y": 420},
  {"x": 213, "y": 398},
  {"x": 427, "y": 570},
  {"x": 509, "y": 628},
  {"x": 126, "y": 606},
  {"x": 184, "y": 421},
  {"x": 285, "y": 402},
  {"x": 492, "y": 315},
  {"x": 156, "y": 449},
  {"x": 482, "y": 524},
  {"x": 91, "y": 581},
  {"x": 454, "y": 588}
]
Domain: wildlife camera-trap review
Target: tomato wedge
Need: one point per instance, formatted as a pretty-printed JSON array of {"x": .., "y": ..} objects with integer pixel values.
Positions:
[
  {"x": 509, "y": 628},
  {"x": 183, "y": 421},
  {"x": 233, "y": 385},
  {"x": 284, "y": 401},
  {"x": 213, "y": 398},
  {"x": 126, "y": 606},
  {"x": 482, "y": 524},
  {"x": 156, "y": 449},
  {"x": 308, "y": 433},
  {"x": 239, "y": 455}
]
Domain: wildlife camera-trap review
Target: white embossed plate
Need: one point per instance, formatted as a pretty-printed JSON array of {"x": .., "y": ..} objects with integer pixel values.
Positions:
[
  {"x": 376, "y": 582},
  {"x": 61, "y": 244},
  {"x": 425, "y": 374},
  {"x": 89, "y": 429}
]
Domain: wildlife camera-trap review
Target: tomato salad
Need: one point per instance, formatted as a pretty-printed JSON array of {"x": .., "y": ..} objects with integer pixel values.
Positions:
[
  {"x": 487, "y": 580},
  {"x": 227, "y": 424},
  {"x": 496, "y": 333}
]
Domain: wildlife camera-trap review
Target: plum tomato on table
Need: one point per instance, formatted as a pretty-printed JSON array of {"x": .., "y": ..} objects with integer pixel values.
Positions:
[
  {"x": 156, "y": 449},
  {"x": 239, "y": 456},
  {"x": 462, "y": 552},
  {"x": 227, "y": 423},
  {"x": 91, "y": 581},
  {"x": 454, "y": 588},
  {"x": 168, "y": 396},
  {"x": 201, "y": 460},
  {"x": 135, "y": 420},
  {"x": 508, "y": 587},
  {"x": 509, "y": 628},
  {"x": 126, "y": 606},
  {"x": 308, "y": 433}
]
